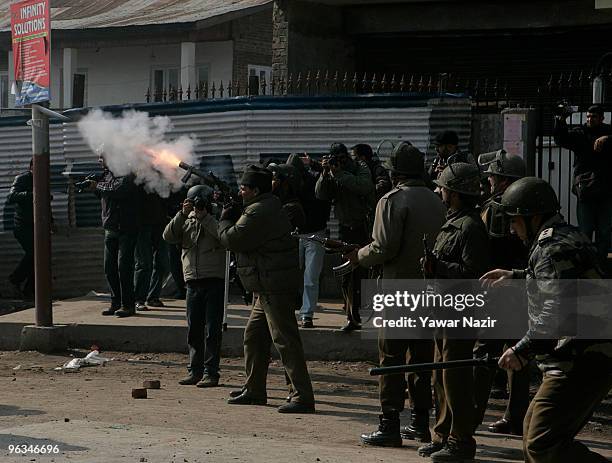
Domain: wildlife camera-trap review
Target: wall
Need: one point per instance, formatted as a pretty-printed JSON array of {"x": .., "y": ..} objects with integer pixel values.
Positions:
[
  {"x": 310, "y": 36},
  {"x": 252, "y": 44}
]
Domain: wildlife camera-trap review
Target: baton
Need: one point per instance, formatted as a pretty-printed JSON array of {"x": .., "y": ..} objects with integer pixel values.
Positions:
[{"x": 485, "y": 361}]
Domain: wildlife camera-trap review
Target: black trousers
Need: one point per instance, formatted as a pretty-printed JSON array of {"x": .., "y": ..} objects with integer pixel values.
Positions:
[
  {"x": 205, "y": 325},
  {"x": 119, "y": 249},
  {"x": 24, "y": 272}
]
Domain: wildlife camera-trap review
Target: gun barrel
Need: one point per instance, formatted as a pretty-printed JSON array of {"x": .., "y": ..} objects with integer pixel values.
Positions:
[{"x": 483, "y": 361}]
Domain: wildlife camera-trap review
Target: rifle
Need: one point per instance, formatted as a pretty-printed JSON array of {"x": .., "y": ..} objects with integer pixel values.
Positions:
[
  {"x": 209, "y": 179},
  {"x": 427, "y": 255},
  {"x": 333, "y": 247},
  {"x": 486, "y": 361},
  {"x": 81, "y": 185}
]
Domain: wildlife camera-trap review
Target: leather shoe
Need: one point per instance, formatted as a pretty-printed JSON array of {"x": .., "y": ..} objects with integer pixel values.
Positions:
[
  {"x": 504, "y": 426},
  {"x": 125, "y": 312},
  {"x": 155, "y": 303},
  {"x": 387, "y": 435},
  {"x": 190, "y": 380},
  {"x": 297, "y": 407},
  {"x": 429, "y": 449},
  {"x": 350, "y": 326},
  {"x": 307, "y": 322},
  {"x": 418, "y": 429},
  {"x": 109, "y": 311},
  {"x": 237, "y": 392},
  {"x": 246, "y": 399},
  {"x": 141, "y": 307}
]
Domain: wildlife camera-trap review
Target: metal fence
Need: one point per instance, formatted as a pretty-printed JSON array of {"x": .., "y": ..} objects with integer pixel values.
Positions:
[{"x": 486, "y": 94}]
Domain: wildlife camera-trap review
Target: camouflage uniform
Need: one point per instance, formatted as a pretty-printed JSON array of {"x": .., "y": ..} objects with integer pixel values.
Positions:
[{"x": 577, "y": 373}]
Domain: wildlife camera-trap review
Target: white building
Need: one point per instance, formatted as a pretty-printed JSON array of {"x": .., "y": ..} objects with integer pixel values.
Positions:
[{"x": 116, "y": 52}]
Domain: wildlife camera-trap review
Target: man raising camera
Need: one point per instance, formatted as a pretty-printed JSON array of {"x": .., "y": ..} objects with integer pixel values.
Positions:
[
  {"x": 203, "y": 256},
  {"x": 349, "y": 185}
]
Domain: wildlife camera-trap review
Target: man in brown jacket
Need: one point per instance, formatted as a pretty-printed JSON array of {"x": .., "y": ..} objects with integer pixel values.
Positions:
[
  {"x": 409, "y": 211},
  {"x": 267, "y": 262}
]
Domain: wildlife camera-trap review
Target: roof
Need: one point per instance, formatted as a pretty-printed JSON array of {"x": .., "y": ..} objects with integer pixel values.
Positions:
[{"x": 88, "y": 14}]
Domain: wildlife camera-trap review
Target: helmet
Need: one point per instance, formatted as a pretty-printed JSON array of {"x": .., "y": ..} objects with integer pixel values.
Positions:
[
  {"x": 503, "y": 164},
  {"x": 530, "y": 196},
  {"x": 406, "y": 159},
  {"x": 199, "y": 194},
  {"x": 460, "y": 177}
]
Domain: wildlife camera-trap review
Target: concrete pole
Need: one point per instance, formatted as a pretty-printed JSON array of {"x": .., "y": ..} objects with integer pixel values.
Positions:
[
  {"x": 188, "y": 69},
  {"x": 70, "y": 66},
  {"x": 42, "y": 217}
]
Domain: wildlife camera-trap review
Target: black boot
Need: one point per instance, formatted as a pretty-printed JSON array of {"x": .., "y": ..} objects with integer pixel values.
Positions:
[
  {"x": 388, "y": 434},
  {"x": 418, "y": 429}
]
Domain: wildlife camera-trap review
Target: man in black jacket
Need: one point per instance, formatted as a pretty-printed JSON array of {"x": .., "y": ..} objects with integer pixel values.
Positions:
[
  {"x": 120, "y": 222},
  {"x": 22, "y": 196},
  {"x": 380, "y": 176},
  {"x": 312, "y": 254},
  {"x": 591, "y": 145}
]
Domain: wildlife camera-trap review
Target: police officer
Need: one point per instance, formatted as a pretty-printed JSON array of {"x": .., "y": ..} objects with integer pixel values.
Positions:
[
  {"x": 507, "y": 251},
  {"x": 461, "y": 252},
  {"x": 403, "y": 216},
  {"x": 577, "y": 372},
  {"x": 267, "y": 262}
]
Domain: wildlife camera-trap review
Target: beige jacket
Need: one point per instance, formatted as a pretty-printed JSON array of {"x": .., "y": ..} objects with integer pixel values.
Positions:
[{"x": 203, "y": 255}]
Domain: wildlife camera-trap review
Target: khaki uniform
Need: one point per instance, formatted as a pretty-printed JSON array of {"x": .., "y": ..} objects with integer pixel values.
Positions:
[
  {"x": 507, "y": 252},
  {"x": 462, "y": 252},
  {"x": 577, "y": 373},
  {"x": 267, "y": 263},
  {"x": 403, "y": 216}
]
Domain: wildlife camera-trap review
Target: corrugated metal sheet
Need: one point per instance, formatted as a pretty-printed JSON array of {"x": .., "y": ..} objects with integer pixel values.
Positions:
[
  {"x": 77, "y": 261},
  {"x": 76, "y": 14},
  {"x": 227, "y": 142}
]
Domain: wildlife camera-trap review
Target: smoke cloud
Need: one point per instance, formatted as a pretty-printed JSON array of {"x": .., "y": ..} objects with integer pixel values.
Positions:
[{"x": 135, "y": 143}]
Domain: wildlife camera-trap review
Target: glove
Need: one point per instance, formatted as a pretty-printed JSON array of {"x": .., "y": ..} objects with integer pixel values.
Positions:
[{"x": 231, "y": 212}]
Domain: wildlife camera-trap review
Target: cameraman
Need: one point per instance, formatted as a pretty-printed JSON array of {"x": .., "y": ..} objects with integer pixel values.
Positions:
[
  {"x": 592, "y": 181},
  {"x": 349, "y": 185},
  {"x": 195, "y": 229}
]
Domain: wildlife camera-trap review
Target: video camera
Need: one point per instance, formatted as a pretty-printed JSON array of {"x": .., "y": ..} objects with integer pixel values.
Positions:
[{"x": 563, "y": 109}]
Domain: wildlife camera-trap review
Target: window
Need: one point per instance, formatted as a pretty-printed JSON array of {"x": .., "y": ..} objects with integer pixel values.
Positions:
[
  {"x": 164, "y": 79},
  {"x": 4, "y": 90},
  {"x": 256, "y": 75},
  {"x": 79, "y": 88}
]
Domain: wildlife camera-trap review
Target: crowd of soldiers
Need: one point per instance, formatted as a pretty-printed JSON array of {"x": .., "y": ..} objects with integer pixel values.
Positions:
[{"x": 511, "y": 229}]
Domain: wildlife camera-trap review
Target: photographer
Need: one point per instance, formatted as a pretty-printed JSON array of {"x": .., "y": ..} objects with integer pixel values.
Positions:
[
  {"x": 592, "y": 182},
  {"x": 349, "y": 185},
  {"x": 447, "y": 149},
  {"x": 119, "y": 200},
  {"x": 195, "y": 230}
]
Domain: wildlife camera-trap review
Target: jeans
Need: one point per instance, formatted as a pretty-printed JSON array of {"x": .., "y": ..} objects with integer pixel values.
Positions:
[
  {"x": 119, "y": 267},
  {"x": 205, "y": 325},
  {"x": 312, "y": 255},
  {"x": 596, "y": 217},
  {"x": 152, "y": 264},
  {"x": 24, "y": 272}
]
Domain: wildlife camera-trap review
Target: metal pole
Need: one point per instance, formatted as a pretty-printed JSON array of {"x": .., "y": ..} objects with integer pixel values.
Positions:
[
  {"x": 42, "y": 216},
  {"x": 226, "y": 289}
]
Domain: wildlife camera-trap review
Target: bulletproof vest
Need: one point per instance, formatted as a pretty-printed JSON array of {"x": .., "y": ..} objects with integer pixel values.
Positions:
[{"x": 494, "y": 218}]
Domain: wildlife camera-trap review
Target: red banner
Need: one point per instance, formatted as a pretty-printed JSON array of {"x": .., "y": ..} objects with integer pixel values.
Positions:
[{"x": 31, "y": 36}]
